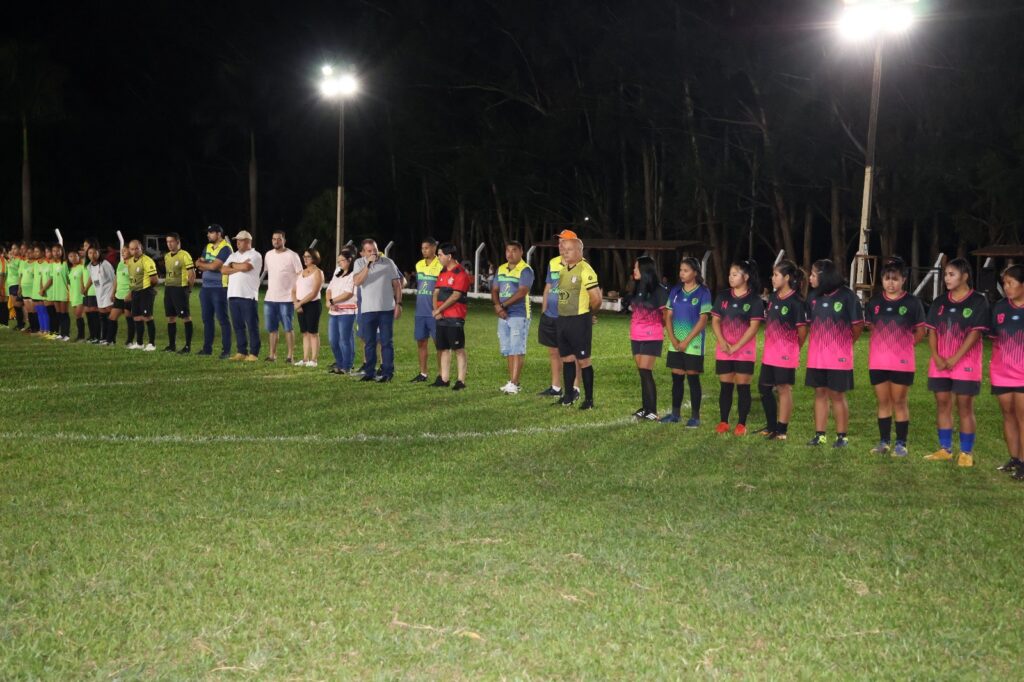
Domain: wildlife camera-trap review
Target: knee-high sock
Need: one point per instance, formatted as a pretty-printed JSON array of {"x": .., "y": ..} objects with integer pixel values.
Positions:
[
  {"x": 678, "y": 390},
  {"x": 648, "y": 391},
  {"x": 568, "y": 377},
  {"x": 130, "y": 324},
  {"x": 33, "y": 322},
  {"x": 65, "y": 325},
  {"x": 588, "y": 381},
  {"x": 725, "y": 401},
  {"x": 696, "y": 394},
  {"x": 112, "y": 330},
  {"x": 151, "y": 331},
  {"x": 80, "y": 328},
  {"x": 744, "y": 402},
  {"x": 93, "y": 320},
  {"x": 19, "y": 317},
  {"x": 172, "y": 334},
  {"x": 188, "y": 333},
  {"x": 771, "y": 408},
  {"x": 140, "y": 331}
]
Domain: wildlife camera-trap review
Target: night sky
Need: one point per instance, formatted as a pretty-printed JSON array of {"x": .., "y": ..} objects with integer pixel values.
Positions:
[{"x": 481, "y": 120}]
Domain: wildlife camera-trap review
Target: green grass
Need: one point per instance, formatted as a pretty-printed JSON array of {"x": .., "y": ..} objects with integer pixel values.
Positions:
[{"x": 168, "y": 517}]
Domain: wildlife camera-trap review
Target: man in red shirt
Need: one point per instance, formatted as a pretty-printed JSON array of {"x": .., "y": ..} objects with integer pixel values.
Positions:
[{"x": 450, "y": 312}]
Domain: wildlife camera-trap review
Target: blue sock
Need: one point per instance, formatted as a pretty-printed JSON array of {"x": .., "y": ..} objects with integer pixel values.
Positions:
[
  {"x": 946, "y": 439},
  {"x": 966, "y": 442}
]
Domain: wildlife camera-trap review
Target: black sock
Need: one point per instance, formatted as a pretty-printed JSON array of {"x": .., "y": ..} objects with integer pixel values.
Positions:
[
  {"x": 130, "y": 323},
  {"x": 79, "y": 328},
  {"x": 744, "y": 402},
  {"x": 568, "y": 378},
  {"x": 101, "y": 327},
  {"x": 678, "y": 390},
  {"x": 649, "y": 391},
  {"x": 172, "y": 334},
  {"x": 65, "y": 320},
  {"x": 902, "y": 429},
  {"x": 188, "y": 333},
  {"x": 771, "y": 407},
  {"x": 696, "y": 393},
  {"x": 885, "y": 428},
  {"x": 725, "y": 401},
  {"x": 19, "y": 316},
  {"x": 781, "y": 428},
  {"x": 5, "y": 314},
  {"x": 33, "y": 322},
  {"x": 112, "y": 330},
  {"x": 140, "y": 332},
  {"x": 151, "y": 331},
  {"x": 840, "y": 435},
  {"x": 95, "y": 325},
  {"x": 588, "y": 382}
]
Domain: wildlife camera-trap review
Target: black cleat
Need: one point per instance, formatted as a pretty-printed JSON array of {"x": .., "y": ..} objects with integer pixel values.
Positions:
[
  {"x": 366, "y": 377},
  {"x": 440, "y": 383},
  {"x": 458, "y": 386},
  {"x": 550, "y": 392},
  {"x": 589, "y": 405},
  {"x": 205, "y": 352},
  {"x": 418, "y": 379},
  {"x": 170, "y": 349},
  {"x": 185, "y": 350}
]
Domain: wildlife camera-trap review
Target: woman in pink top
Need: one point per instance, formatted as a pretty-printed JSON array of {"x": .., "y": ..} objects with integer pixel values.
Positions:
[
  {"x": 341, "y": 303},
  {"x": 1007, "y": 366},
  {"x": 735, "y": 318},
  {"x": 647, "y": 330},
  {"x": 306, "y": 296}
]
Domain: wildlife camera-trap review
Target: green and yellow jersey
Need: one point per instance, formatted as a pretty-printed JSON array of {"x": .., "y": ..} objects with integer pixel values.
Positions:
[
  {"x": 124, "y": 282},
  {"x": 140, "y": 272},
  {"x": 76, "y": 284},
  {"x": 574, "y": 285},
  {"x": 176, "y": 268}
]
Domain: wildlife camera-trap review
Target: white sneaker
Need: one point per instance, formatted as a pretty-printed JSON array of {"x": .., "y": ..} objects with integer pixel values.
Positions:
[
  {"x": 311, "y": 363},
  {"x": 149, "y": 348},
  {"x": 514, "y": 389},
  {"x": 133, "y": 346},
  {"x": 507, "y": 388},
  {"x": 299, "y": 363},
  {"x": 64, "y": 338}
]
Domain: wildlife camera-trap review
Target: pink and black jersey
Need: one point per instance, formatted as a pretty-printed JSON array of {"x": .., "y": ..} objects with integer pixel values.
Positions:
[
  {"x": 831, "y": 318},
  {"x": 781, "y": 341},
  {"x": 893, "y": 322},
  {"x": 648, "y": 321},
  {"x": 1007, "y": 329},
  {"x": 735, "y": 315},
  {"x": 951, "y": 321}
]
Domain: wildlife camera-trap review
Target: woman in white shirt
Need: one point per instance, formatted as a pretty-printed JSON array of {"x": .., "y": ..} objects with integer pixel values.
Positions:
[
  {"x": 342, "y": 313},
  {"x": 306, "y": 296}
]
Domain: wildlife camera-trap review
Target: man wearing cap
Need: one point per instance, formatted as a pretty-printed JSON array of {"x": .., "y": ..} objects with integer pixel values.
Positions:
[
  {"x": 213, "y": 296},
  {"x": 243, "y": 269},
  {"x": 547, "y": 334},
  {"x": 283, "y": 267},
  {"x": 510, "y": 294},
  {"x": 579, "y": 297},
  {"x": 380, "y": 294},
  {"x": 143, "y": 279}
]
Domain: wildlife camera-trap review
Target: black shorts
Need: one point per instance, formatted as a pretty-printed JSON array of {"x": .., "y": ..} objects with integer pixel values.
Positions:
[
  {"x": 450, "y": 335},
  {"x": 880, "y": 376},
  {"x": 734, "y": 367},
  {"x": 89, "y": 301},
  {"x": 1006, "y": 390},
  {"x": 838, "y": 380},
  {"x": 547, "y": 332},
  {"x": 684, "y": 361},
  {"x": 575, "y": 335},
  {"x": 652, "y": 348},
  {"x": 176, "y": 302},
  {"x": 772, "y": 375},
  {"x": 309, "y": 318},
  {"x": 14, "y": 292},
  {"x": 956, "y": 386},
  {"x": 120, "y": 304},
  {"x": 142, "y": 302}
]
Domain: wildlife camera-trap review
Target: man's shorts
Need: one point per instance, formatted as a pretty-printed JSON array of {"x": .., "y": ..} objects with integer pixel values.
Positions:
[
  {"x": 734, "y": 367},
  {"x": 684, "y": 361},
  {"x": 512, "y": 335},
  {"x": 957, "y": 386},
  {"x": 142, "y": 302},
  {"x": 121, "y": 304},
  {"x": 575, "y": 335},
  {"x": 880, "y": 376},
  {"x": 838, "y": 380},
  {"x": 451, "y": 335},
  {"x": 13, "y": 292},
  {"x": 278, "y": 313},
  {"x": 776, "y": 376},
  {"x": 547, "y": 332},
  {"x": 176, "y": 302},
  {"x": 424, "y": 328}
]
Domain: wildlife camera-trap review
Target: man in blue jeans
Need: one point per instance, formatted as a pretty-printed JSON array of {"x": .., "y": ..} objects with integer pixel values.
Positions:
[
  {"x": 243, "y": 269},
  {"x": 380, "y": 299},
  {"x": 213, "y": 297}
]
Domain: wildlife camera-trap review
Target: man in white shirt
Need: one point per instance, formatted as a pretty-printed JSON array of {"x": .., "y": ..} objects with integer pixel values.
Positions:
[
  {"x": 282, "y": 266},
  {"x": 243, "y": 268}
]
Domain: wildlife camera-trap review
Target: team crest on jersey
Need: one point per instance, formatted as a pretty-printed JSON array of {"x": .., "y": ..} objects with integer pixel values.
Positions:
[
  {"x": 1000, "y": 317},
  {"x": 967, "y": 313},
  {"x": 903, "y": 310},
  {"x": 725, "y": 304},
  {"x": 785, "y": 311},
  {"x": 838, "y": 306},
  {"x": 694, "y": 301},
  {"x": 746, "y": 307},
  {"x": 941, "y": 308},
  {"x": 575, "y": 279}
]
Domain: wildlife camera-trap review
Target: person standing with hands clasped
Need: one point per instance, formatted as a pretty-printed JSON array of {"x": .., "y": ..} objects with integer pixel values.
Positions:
[
  {"x": 735, "y": 318},
  {"x": 510, "y": 294},
  {"x": 579, "y": 299},
  {"x": 341, "y": 297},
  {"x": 1007, "y": 367},
  {"x": 450, "y": 312}
]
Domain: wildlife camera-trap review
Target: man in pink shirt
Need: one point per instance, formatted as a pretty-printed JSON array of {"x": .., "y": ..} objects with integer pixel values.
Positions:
[{"x": 282, "y": 266}]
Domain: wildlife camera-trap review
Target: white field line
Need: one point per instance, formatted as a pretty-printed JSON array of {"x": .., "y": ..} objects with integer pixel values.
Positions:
[{"x": 175, "y": 438}]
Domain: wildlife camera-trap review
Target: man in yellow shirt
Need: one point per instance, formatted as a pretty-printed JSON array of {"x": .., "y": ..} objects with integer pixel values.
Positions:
[
  {"x": 143, "y": 280},
  {"x": 579, "y": 297},
  {"x": 179, "y": 276}
]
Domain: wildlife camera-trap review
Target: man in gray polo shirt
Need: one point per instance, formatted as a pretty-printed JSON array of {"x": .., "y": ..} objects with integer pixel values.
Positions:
[{"x": 380, "y": 294}]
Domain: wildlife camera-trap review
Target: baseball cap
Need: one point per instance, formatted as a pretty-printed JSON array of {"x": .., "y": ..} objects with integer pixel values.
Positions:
[
  {"x": 215, "y": 228},
  {"x": 243, "y": 235},
  {"x": 567, "y": 234}
]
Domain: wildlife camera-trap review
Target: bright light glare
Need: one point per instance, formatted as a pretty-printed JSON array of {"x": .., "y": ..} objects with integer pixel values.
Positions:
[
  {"x": 332, "y": 86},
  {"x": 866, "y": 20},
  {"x": 327, "y": 70}
]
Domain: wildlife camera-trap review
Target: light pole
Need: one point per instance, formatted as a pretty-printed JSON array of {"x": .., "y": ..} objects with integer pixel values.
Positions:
[
  {"x": 863, "y": 20},
  {"x": 339, "y": 87}
]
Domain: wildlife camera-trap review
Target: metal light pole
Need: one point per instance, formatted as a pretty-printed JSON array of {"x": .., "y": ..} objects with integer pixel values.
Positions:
[
  {"x": 869, "y": 170},
  {"x": 340, "y": 88}
]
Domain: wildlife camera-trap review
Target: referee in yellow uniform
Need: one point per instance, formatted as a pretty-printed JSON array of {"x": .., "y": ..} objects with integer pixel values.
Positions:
[
  {"x": 179, "y": 276},
  {"x": 142, "y": 278},
  {"x": 579, "y": 296}
]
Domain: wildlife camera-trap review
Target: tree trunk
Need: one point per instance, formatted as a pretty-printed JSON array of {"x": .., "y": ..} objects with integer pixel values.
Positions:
[
  {"x": 253, "y": 184},
  {"x": 650, "y": 179},
  {"x": 502, "y": 225},
  {"x": 915, "y": 255},
  {"x": 702, "y": 192},
  {"x": 808, "y": 232},
  {"x": 838, "y": 254},
  {"x": 26, "y": 185},
  {"x": 427, "y": 219}
]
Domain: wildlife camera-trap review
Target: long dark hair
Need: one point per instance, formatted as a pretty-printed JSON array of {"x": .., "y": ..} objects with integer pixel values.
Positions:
[
  {"x": 350, "y": 255},
  {"x": 964, "y": 267},
  {"x": 695, "y": 266},
  {"x": 895, "y": 265},
  {"x": 650, "y": 281},
  {"x": 1014, "y": 271},
  {"x": 749, "y": 268},
  {"x": 793, "y": 274},
  {"x": 829, "y": 277}
]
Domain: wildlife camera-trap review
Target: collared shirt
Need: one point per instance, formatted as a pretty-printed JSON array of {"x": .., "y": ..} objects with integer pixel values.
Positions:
[
  {"x": 508, "y": 279},
  {"x": 212, "y": 279},
  {"x": 377, "y": 294},
  {"x": 245, "y": 284}
]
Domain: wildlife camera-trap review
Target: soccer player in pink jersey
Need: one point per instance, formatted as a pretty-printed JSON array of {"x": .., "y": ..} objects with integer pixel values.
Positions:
[
  {"x": 647, "y": 331},
  {"x": 896, "y": 321},
  {"x": 735, "y": 318},
  {"x": 955, "y": 323},
  {"x": 1006, "y": 369},
  {"x": 835, "y": 321},
  {"x": 785, "y": 330}
]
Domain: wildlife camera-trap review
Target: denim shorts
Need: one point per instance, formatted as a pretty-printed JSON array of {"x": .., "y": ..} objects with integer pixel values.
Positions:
[
  {"x": 512, "y": 334},
  {"x": 424, "y": 328},
  {"x": 278, "y": 313}
]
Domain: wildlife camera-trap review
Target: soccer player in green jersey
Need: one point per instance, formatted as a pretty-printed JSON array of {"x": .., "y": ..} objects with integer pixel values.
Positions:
[{"x": 76, "y": 292}]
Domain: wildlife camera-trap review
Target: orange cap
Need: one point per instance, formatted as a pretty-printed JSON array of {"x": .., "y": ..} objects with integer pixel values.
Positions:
[{"x": 567, "y": 234}]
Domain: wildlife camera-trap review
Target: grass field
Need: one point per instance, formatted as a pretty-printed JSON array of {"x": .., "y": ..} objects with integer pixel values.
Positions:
[{"x": 181, "y": 517}]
